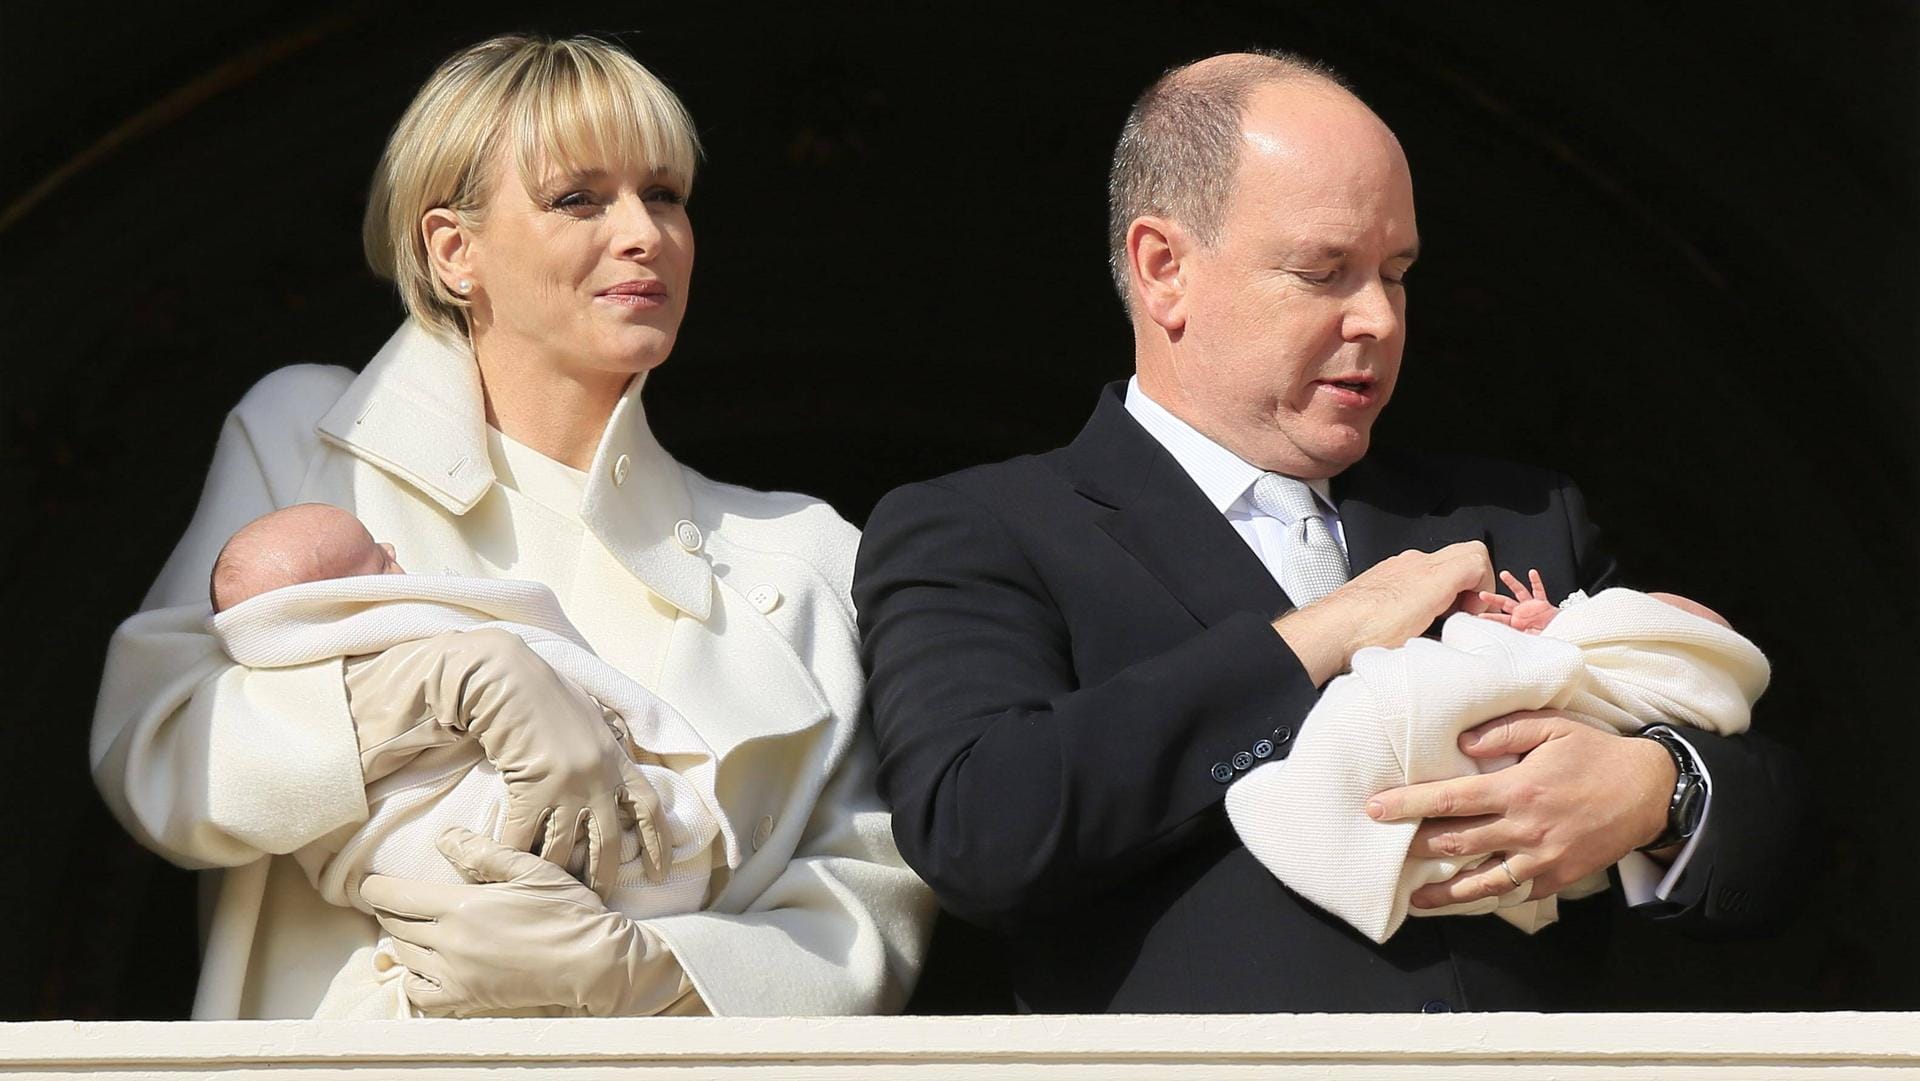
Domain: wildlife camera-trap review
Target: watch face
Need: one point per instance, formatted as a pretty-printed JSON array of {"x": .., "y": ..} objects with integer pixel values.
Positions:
[{"x": 1692, "y": 804}]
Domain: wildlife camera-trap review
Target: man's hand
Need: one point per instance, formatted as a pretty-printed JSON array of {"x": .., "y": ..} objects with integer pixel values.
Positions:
[
  {"x": 1389, "y": 603},
  {"x": 524, "y": 934},
  {"x": 1577, "y": 801}
]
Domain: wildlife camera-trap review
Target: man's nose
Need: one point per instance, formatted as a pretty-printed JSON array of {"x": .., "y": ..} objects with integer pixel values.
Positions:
[{"x": 1372, "y": 312}]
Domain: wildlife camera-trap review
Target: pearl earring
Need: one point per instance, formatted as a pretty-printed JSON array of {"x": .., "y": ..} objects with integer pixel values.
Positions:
[{"x": 465, "y": 285}]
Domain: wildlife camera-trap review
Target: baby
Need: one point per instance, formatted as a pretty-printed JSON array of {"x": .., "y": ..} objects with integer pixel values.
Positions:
[
  {"x": 306, "y": 542},
  {"x": 1620, "y": 660},
  {"x": 306, "y": 582},
  {"x": 1531, "y": 610}
]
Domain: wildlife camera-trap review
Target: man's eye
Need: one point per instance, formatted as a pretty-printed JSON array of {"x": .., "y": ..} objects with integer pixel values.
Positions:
[{"x": 1317, "y": 277}]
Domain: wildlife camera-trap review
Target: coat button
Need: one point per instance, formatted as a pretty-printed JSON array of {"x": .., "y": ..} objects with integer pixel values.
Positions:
[
  {"x": 1263, "y": 749},
  {"x": 1243, "y": 761},
  {"x": 1435, "y": 1005},
  {"x": 765, "y": 598},
  {"x": 762, "y": 830},
  {"x": 687, "y": 534},
  {"x": 621, "y": 467},
  {"x": 1282, "y": 736},
  {"x": 1222, "y": 772}
]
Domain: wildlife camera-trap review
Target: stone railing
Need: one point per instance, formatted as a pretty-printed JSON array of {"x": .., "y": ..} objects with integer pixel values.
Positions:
[{"x": 1750, "y": 1047}]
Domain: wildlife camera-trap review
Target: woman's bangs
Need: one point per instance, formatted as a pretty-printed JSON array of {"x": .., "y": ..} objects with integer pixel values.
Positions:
[{"x": 577, "y": 119}]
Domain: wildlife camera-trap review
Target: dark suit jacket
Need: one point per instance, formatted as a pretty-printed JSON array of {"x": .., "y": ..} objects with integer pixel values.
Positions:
[{"x": 1063, "y": 648}]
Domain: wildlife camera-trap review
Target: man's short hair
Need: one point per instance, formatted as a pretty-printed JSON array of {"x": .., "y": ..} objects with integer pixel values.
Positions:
[{"x": 1180, "y": 146}]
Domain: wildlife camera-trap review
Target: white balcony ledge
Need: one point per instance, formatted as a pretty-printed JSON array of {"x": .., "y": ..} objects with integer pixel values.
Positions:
[{"x": 1752, "y": 1047}]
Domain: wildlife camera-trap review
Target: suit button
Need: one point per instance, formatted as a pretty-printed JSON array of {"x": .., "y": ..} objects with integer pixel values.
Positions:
[
  {"x": 1282, "y": 735},
  {"x": 1263, "y": 749},
  {"x": 1222, "y": 772},
  {"x": 687, "y": 534},
  {"x": 620, "y": 467},
  {"x": 1243, "y": 761},
  {"x": 1435, "y": 1005}
]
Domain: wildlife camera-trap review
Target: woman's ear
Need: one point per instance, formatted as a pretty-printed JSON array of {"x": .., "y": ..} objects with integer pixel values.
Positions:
[
  {"x": 449, "y": 249},
  {"x": 1156, "y": 250}
]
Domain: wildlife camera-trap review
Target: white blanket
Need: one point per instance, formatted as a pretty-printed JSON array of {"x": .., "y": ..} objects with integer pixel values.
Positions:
[
  {"x": 1620, "y": 660},
  {"x": 454, "y": 786}
]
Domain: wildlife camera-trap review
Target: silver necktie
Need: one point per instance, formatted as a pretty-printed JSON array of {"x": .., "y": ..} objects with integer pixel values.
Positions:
[{"x": 1312, "y": 564}]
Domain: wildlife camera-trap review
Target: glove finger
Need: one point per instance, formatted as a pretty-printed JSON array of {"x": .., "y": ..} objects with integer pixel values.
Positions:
[
  {"x": 398, "y": 899},
  {"x": 603, "y": 846},
  {"x": 524, "y": 827},
  {"x": 563, "y": 834},
  {"x": 482, "y": 860},
  {"x": 643, "y": 803}
]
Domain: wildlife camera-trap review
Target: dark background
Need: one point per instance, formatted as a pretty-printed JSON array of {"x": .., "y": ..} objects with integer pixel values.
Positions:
[{"x": 1670, "y": 249}]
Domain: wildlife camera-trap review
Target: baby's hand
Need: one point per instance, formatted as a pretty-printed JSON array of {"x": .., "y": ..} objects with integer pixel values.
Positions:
[{"x": 1527, "y": 610}]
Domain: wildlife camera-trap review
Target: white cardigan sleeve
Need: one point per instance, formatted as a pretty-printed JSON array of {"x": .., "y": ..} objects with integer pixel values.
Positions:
[{"x": 206, "y": 762}]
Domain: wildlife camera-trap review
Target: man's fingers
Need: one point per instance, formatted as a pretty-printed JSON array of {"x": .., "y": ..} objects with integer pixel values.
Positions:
[
  {"x": 1515, "y": 733},
  {"x": 1435, "y": 799},
  {"x": 1460, "y": 838},
  {"x": 1489, "y": 879}
]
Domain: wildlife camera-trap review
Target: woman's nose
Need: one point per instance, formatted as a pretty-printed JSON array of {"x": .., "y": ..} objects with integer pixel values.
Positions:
[{"x": 636, "y": 235}]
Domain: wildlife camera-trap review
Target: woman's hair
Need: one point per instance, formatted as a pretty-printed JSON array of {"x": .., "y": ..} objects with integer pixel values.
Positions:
[{"x": 568, "y": 105}]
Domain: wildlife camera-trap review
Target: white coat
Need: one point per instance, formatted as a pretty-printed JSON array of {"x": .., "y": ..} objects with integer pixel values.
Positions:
[{"x": 218, "y": 766}]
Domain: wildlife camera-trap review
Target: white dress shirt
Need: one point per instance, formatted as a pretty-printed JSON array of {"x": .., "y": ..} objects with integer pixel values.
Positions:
[{"x": 1226, "y": 480}]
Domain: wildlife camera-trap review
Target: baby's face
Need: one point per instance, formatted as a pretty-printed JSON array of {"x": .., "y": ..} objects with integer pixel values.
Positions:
[{"x": 352, "y": 551}]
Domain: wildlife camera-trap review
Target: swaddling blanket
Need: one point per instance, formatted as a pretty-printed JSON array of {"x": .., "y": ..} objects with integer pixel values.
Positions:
[
  {"x": 455, "y": 786},
  {"x": 1620, "y": 660}
]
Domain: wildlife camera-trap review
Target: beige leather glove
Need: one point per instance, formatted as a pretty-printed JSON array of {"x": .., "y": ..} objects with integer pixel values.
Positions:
[
  {"x": 550, "y": 742},
  {"x": 525, "y": 935}
]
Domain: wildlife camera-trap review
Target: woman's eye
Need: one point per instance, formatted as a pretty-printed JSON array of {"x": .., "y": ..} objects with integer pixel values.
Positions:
[
  {"x": 575, "y": 201},
  {"x": 665, "y": 195}
]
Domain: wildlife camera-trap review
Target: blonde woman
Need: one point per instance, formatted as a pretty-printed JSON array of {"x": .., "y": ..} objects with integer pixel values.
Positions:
[{"x": 531, "y": 209}]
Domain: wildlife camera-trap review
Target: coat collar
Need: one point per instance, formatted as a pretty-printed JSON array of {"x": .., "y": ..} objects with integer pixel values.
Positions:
[
  {"x": 417, "y": 412},
  {"x": 1386, "y": 503},
  {"x": 1160, "y": 516}
]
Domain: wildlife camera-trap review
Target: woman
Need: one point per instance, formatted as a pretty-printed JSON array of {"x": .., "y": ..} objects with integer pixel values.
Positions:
[{"x": 530, "y": 207}]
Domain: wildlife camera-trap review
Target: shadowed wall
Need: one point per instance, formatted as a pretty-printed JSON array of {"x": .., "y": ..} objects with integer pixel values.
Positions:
[{"x": 1669, "y": 249}]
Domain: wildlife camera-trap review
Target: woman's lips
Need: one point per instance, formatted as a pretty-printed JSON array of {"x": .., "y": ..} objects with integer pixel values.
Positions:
[{"x": 635, "y": 295}]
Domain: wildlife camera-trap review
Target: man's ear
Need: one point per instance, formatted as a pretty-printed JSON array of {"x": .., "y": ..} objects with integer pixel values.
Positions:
[
  {"x": 449, "y": 249},
  {"x": 1156, "y": 250}
]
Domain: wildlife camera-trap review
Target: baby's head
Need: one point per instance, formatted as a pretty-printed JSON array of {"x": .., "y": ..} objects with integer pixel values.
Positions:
[{"x": 307, "y": 542}]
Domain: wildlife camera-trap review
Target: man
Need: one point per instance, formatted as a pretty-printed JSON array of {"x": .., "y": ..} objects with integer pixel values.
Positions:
[{"x": 1073, "y": 655}]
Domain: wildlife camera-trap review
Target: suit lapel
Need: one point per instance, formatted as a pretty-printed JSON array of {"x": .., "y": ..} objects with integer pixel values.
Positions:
[
  {"x": 1387, "y": 506},
  {"x": 1164, "y": 521}
]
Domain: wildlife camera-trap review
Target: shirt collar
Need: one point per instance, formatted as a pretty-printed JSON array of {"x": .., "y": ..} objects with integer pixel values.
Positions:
[{"x": 1223, "y": 476}]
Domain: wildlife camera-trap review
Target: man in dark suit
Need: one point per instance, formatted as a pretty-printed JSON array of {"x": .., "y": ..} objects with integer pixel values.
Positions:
[{"x": 1073, "y": 655}]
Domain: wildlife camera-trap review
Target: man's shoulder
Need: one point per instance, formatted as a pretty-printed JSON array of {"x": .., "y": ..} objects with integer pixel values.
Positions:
[{"x": 1005, "y": 487}]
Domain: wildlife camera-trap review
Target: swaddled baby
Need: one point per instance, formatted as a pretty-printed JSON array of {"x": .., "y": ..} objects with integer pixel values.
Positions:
[
  {"x": 432, "y": 709},
  {"x": 1620, "y": 660}
]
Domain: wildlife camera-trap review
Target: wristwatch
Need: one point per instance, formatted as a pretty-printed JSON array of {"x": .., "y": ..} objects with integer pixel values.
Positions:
[{"x": 1689, "y": 800}]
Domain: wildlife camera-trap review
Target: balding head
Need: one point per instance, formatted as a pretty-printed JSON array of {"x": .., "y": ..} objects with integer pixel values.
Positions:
[
  {"x": 1180, "y": 147},
  {"x": 307, "y": 542}
]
